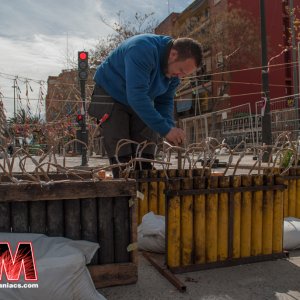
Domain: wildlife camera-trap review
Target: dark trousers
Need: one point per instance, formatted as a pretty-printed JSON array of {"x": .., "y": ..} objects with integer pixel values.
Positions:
[{"x": 122, "y": 123}]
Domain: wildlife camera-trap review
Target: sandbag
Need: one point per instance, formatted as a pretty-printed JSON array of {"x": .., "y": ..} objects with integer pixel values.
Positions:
[
  {"x": 291, "y": 233},
  {"x": 61, "y": 268},
  {"x": 151, "y": 233}
]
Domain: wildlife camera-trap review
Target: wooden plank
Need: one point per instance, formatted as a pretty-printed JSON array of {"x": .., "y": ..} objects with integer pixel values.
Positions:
[
  {"x": 52, "y": 176},
  {"x": 113, "y": 274},
  {"x": 133, "y": 229},
  {"x": 58, "y": 190},
  {"x": 19, "y": 217},
  {"x": 89, "y": 226},
  {"x": 37, "y": 216},
  {"x": 72, "y": 219},
  {"x": 121, "y": 229},
  {"x": 106, "y": 230},
  {"x": 55, "y": 218},
  {"x": 5, "y": 217}
]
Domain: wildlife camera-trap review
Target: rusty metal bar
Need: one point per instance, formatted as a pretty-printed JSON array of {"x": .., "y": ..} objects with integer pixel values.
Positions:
[
  {"x": 166, "y": 179},
  {"x": 228, "y": 263},
  {"x": 158, "y": 179},
  {"x": 291, "y": 177},
  {"x": 163, "y": 270},
  {"x": 225, "y": 190}
]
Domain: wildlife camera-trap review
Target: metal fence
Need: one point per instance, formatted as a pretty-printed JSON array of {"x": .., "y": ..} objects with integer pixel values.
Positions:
[
  {"x": 238, "y": 123},
  {"x": 233, "y": 124},
  {"x": 284, "y": 117}
]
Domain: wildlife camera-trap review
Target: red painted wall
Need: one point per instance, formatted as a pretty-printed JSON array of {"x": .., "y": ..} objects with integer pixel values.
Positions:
[{"x": 277, "y": 75}]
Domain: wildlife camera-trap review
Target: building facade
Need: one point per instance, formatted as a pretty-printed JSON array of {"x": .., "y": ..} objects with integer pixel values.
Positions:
[
  {"x": 241, "y": 80},
  {"x": 231, "y": 77},
  {"x": 63, "y": 99}
]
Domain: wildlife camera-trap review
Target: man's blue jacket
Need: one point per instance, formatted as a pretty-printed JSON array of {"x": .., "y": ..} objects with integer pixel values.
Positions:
[{"x": 133, "y": 74}]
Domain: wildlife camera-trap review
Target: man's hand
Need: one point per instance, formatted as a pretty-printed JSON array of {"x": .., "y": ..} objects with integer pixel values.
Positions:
[{"x": 175, "y": 136}]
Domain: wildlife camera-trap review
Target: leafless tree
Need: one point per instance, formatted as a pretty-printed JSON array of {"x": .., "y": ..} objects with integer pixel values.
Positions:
[{"x": 123, "y": 29}]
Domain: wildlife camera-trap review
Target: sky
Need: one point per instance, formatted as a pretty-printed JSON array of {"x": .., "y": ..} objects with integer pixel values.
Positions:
[{"x": 36, "y": 35}]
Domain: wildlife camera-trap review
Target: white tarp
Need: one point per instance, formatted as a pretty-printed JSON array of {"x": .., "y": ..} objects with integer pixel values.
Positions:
[
  {"x": 291, "y": 233},
  {"x": 151, "y": 233},
  {"x": 61, "y": 268}
]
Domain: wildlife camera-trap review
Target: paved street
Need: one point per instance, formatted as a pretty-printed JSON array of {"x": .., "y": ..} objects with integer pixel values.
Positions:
[{"x": 258, "y": 281}]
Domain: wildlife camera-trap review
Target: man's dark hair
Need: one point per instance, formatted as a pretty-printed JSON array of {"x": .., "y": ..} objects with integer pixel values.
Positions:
[{"x": 188, "y": 48}]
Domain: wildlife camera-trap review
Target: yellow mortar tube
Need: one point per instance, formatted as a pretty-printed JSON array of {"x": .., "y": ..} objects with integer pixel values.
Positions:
[
  {"x": 298, "y": 194},
  {"x": 161, "y": 193},
  {"x": 143, "y": 188},
  {"x": 246, "y": 218},
  {"x": 278, "y": 217},
  {"x": 223, "y": 219},
  {"x": 292, "y": 194},
  {"x": 212, "y": 221},
  {"x": 237, "y": 199},
  {"x": 286, "y": 199},
  {"x": 187, "y": 233},
  {"x": 256, "y": 222},
  {"x": 267, "y": 223},
  {"x": 199, "y": 220},
  {"x": 173, "y": 223},
  {"x": 153, "y": 192}
]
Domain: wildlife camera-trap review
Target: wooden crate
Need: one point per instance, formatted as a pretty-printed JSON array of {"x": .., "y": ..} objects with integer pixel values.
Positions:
[
  {"x": 96, "y": 211},
  {"x": 223, "y": 220}
]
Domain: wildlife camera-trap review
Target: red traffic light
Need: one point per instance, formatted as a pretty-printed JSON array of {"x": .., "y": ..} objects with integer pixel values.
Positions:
[
  {"x": 83, "y": 55},
  {"x": 79, "y": 119},
  {"x": 83, "y": 65}
]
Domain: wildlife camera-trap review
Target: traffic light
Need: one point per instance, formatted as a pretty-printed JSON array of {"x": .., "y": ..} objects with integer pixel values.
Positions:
[
  {"x": 83, "y": 65},
  {"x": 79, "y": 119}
]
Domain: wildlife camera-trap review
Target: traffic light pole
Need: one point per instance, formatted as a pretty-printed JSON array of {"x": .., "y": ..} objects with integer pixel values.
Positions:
[
  {"x": 266, "y": 118},
  {"x": 83, "y": 126},
  {"x": 83, "y": 76}
]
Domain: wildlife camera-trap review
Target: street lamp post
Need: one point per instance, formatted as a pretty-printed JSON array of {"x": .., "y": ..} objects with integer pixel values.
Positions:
[
  {"x": 266, "y": 117},
  {"x": 294, "y": 54},
  {"x": 15, "y": 86}
]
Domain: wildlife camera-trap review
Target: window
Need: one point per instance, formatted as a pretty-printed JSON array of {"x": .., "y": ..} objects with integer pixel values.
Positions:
[
  {"x": 219, "y": 59},
  {"x": 206, "y": 13},
  {"x": 207, "y": 63}
]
